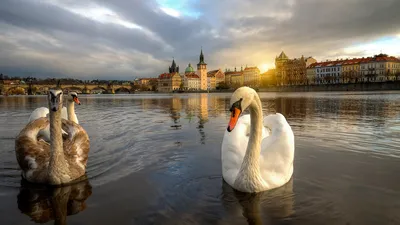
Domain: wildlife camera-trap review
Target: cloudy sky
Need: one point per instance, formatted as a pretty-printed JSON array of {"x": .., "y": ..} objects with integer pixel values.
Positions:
[{"x": 123, "y": 39}]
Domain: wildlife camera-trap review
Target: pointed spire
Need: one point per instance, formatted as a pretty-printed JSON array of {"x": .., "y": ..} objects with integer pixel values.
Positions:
[
  {"x": 173, "y": 68},
  {"x": 201, "y": 61},
  {"x": 283, "y": 55}
]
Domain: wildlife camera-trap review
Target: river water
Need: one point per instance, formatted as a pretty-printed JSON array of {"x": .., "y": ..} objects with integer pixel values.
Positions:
[{"x": 155, "y": 159}]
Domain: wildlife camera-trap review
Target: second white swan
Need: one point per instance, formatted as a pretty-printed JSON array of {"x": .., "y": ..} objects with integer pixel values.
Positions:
[{"x": 256, "y": 158}]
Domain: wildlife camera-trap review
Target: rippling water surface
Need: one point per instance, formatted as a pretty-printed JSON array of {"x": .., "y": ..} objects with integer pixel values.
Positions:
[{"x": 155, "y": 159}]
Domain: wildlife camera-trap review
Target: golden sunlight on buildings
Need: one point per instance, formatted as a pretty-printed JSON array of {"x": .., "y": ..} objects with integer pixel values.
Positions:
[{"x": 286, "y": 71}]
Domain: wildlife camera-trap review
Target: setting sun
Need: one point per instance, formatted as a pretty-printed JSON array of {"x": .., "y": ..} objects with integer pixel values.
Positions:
[{"x": 263, "y": 68}]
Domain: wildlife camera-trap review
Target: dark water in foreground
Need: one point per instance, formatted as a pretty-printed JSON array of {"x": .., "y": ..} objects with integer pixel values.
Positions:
[{"x": 143, "y": 169}]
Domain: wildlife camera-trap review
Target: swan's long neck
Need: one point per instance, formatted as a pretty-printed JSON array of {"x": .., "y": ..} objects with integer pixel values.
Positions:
[
  {"x": 57, "y": 161},
  {"x": 71, "y": 112},
  {"x": 249, "y": 171}
]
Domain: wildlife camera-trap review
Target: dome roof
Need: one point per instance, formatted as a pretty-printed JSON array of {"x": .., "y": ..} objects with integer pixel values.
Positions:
[{"x": 189, "y": 69}]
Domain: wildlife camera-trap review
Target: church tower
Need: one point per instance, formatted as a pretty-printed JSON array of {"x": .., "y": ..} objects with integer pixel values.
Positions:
[
  {"x": 202, "y": 71},
  {"x": 173, "y": 68}
]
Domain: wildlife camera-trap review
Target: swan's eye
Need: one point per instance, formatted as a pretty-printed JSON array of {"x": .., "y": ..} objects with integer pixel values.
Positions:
[{"x": 236, "y": 105}]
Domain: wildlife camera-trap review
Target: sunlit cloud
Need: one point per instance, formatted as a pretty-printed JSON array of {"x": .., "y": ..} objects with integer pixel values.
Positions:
[
  {"x": 171, "y": 12},
  {"x": 179, "y": 8},
  {"x": 386, "y": 45},
  {"x": 96, "y": 13},
  {"x": 107, "y": 16}
]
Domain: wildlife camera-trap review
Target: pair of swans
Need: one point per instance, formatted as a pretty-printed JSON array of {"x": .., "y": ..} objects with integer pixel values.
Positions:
[
  {"x": 67, "y": 113},
  {"x": 256, "y": 158},
  {"x": 63, "y": 159}
]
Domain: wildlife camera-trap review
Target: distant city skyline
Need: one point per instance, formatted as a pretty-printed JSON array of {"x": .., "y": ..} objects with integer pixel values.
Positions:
[{"x": 97, "y": 39}]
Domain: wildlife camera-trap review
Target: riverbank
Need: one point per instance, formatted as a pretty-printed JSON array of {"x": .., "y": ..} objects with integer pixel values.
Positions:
[{"x": 382, "y": 86}]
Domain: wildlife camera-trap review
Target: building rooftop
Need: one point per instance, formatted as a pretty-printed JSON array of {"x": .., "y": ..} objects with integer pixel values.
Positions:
[
  {"x": 166, "y": 75},
  {"x": 338, "y": 62},
  {"x": 192, "y": 75}
]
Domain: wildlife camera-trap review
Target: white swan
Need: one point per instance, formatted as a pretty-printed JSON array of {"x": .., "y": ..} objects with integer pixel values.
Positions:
[
  {"x": 253, "y": 158},
  {"x": 59, "y": 162},
  {"x": 67, "y": 113}
]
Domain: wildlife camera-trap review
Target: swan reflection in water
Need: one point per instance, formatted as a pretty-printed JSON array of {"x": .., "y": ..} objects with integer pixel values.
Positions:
[
  {"x": 260, "y": 208},
  {"x": 44, "y": 203}
]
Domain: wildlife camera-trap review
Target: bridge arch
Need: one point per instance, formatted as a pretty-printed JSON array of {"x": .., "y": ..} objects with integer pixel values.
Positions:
[
  {"x": 122, "y": 90},
  {"x": 38, "y": 89},
  {"x": 72, "y": 88},
  {"x": 97, "y": 89}
]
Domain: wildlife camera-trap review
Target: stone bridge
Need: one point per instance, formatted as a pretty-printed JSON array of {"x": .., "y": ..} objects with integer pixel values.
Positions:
[{"x": 79, "y": 88}]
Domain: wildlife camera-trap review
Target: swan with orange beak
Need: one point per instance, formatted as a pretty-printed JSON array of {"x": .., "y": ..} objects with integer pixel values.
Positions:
[{"x": 257, "y": 152}]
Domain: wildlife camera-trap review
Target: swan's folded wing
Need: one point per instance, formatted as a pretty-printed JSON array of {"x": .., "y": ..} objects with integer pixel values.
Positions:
[
  {"x": 277, "y": 151},
  {"x": 77, "y": 145},
  {"x": 32, "y": 155}
]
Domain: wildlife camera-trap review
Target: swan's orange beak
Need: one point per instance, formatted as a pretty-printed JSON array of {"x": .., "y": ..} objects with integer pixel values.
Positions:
[
  {"x": 76, "y": 100},
  {"x": 235, "y": 113}
]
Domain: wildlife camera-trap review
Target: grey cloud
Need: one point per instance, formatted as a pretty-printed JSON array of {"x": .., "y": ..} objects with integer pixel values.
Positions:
[
  {"x": 51, "y": 19},
  {"x": 79, "y": 38},
  {"x": 186, "y": 36},
  {"x": 315, "y": 21},
  {"x": 232, "y": 32}
]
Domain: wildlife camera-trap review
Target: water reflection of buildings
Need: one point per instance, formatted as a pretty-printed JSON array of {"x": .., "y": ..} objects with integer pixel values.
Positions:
[
  {"x": 175, "y": 109},
  {"x": 348, "y": 107},
  {"x": 309, "y": 112},
  {"x": 203, "y": 117},
  {"x": 341, "y": 113},
  {"x": 306, "y": 113},
  {"x": 194, "y": 106}
]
